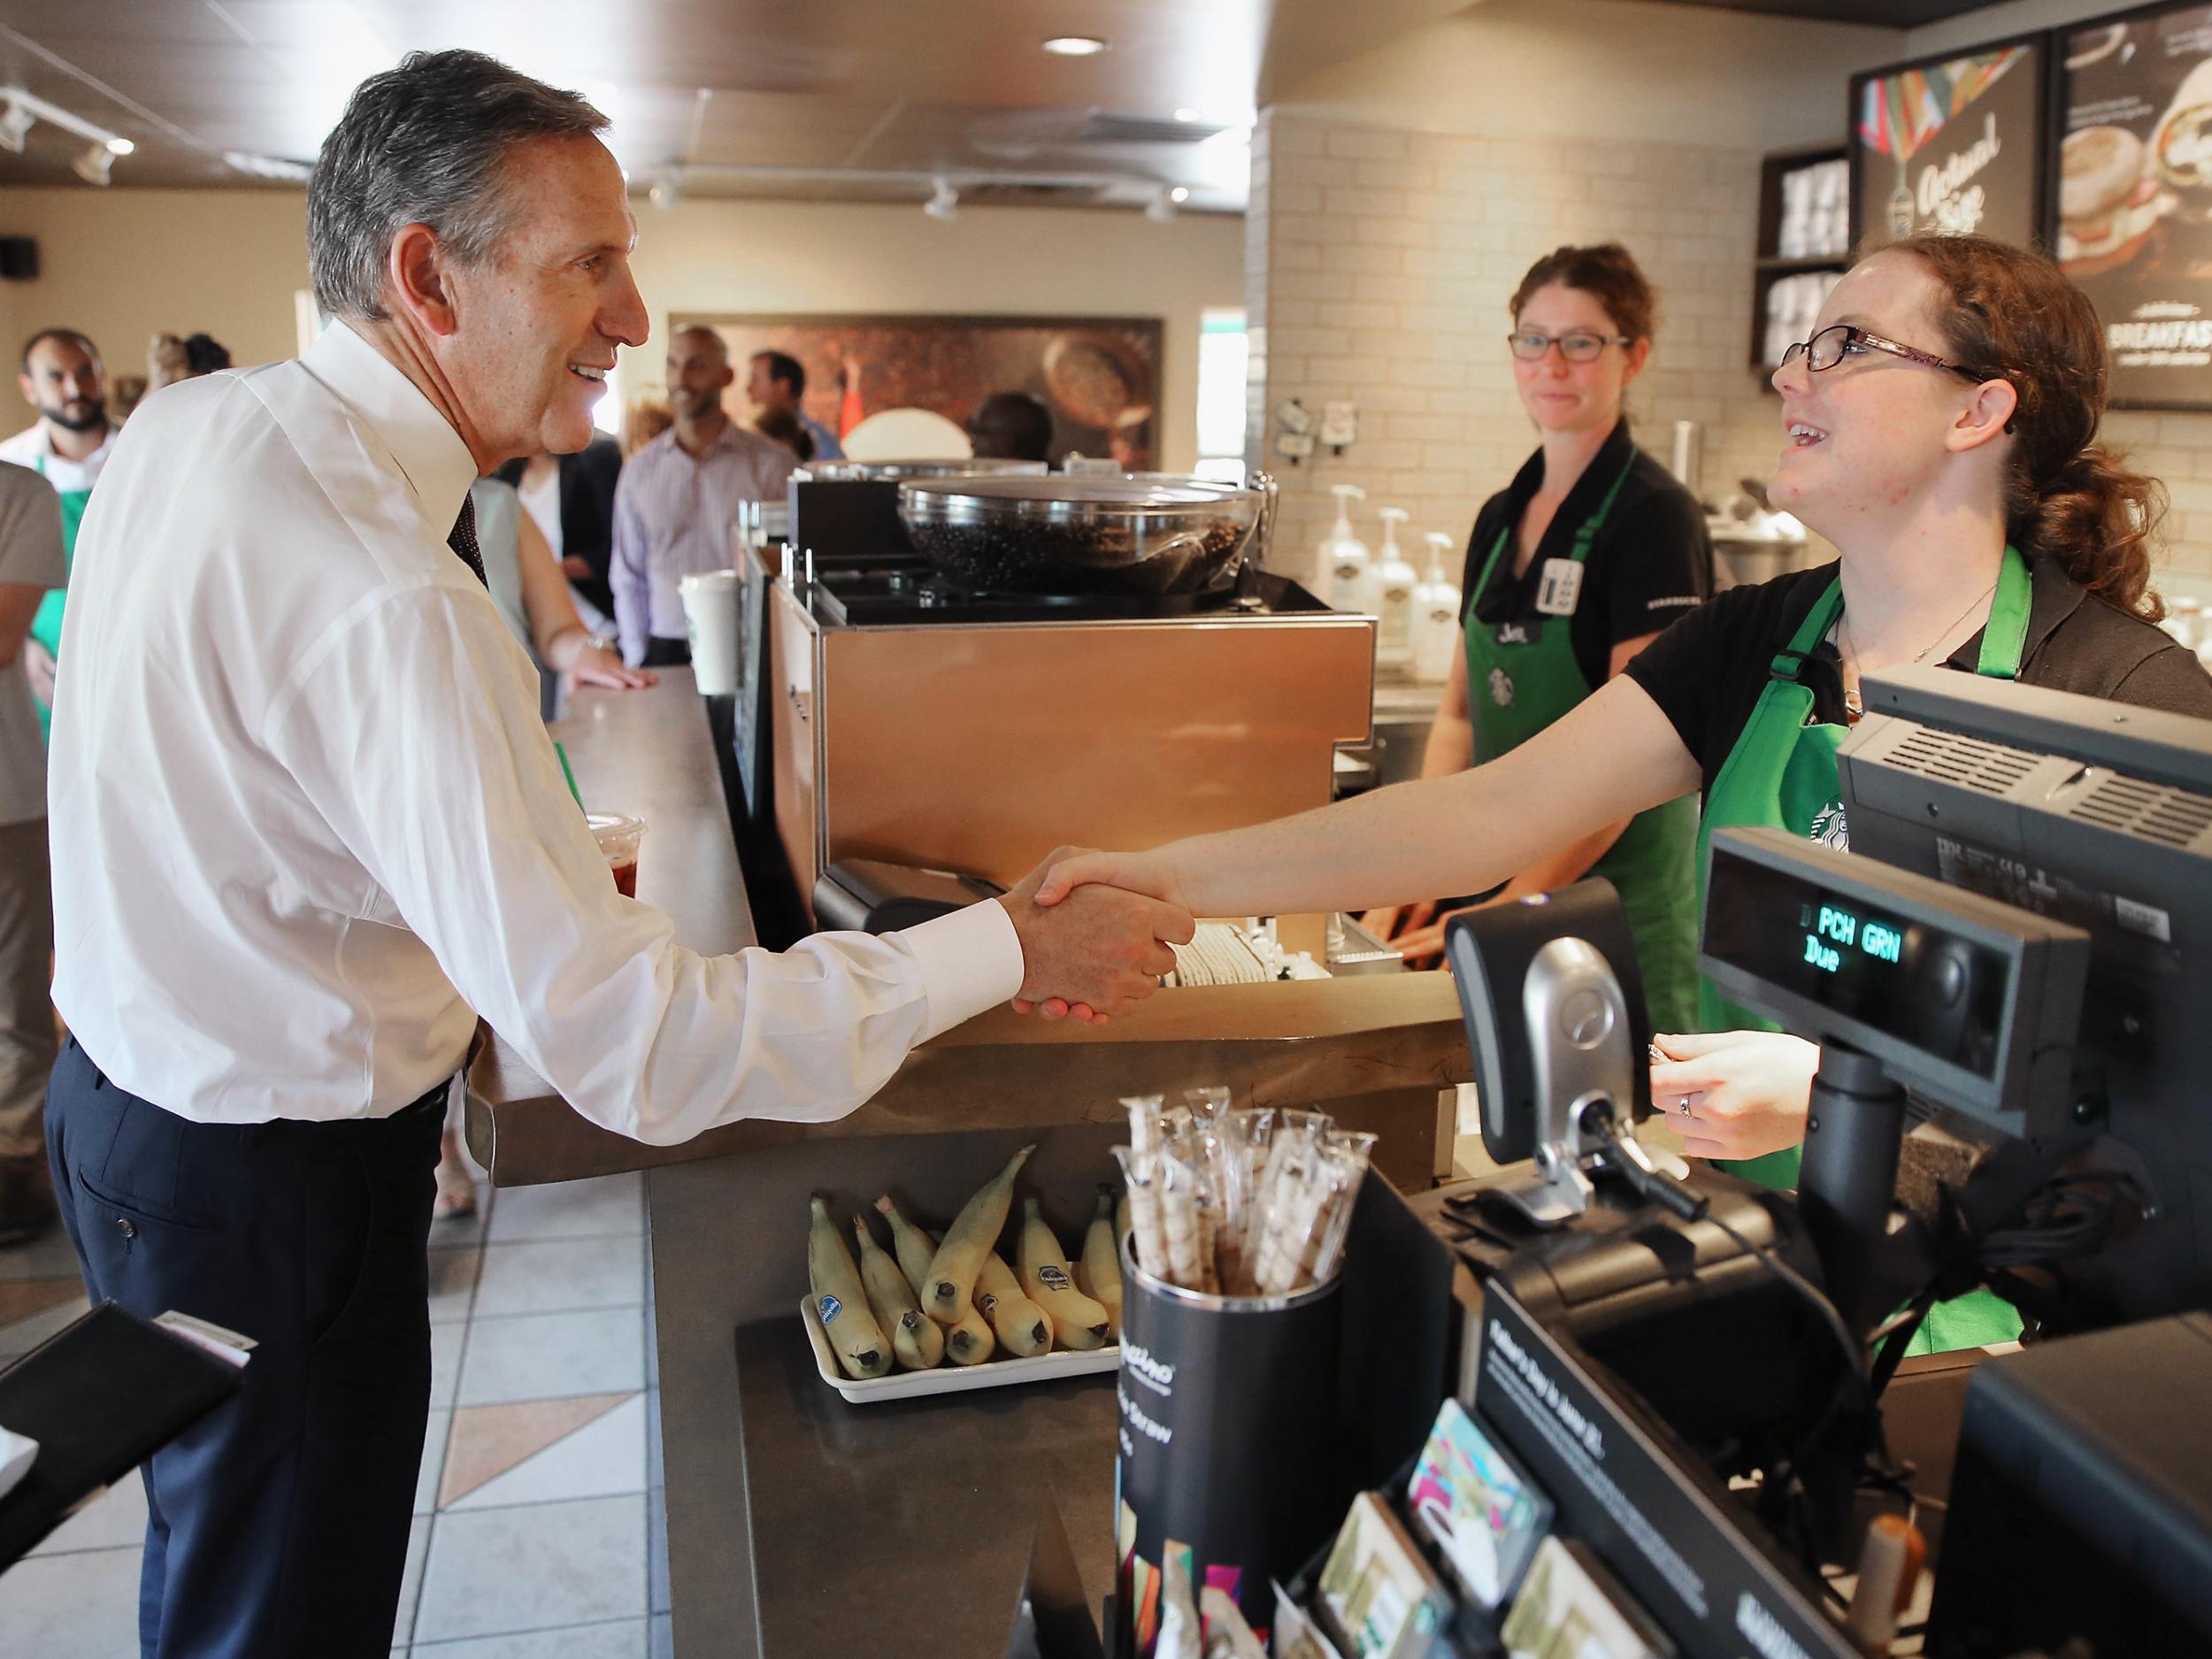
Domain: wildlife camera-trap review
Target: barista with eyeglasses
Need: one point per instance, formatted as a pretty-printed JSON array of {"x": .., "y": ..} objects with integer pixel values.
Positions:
[
  {"x": 1939, "y": 428},
  {"x": 1573, "y": 568}
]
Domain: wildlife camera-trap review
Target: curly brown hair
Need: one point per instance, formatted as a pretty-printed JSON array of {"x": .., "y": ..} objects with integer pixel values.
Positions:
[
  {"x": 2014, "y": 316},
  {"x": 1608, "y": 271}
]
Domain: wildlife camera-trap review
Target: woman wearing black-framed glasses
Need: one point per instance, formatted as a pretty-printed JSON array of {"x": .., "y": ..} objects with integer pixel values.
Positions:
[
  {"x": 1940, "y": 431},
  {"x": 1573, "y": 569}
]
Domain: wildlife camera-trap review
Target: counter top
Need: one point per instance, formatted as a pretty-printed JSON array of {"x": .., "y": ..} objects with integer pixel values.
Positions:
[
  {"x": 840, "y": 1492},
  {"x": 795, "y": 1519}
]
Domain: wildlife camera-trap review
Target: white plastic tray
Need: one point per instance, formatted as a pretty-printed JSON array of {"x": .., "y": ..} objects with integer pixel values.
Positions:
[{"x": 949, "y": 1378}]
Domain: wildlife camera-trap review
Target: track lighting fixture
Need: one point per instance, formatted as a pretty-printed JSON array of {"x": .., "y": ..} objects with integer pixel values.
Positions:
[
  {"x": 93, "y": 165},
  {"x": 944, "y": 201},
  {"x": 25, "y": 110}
]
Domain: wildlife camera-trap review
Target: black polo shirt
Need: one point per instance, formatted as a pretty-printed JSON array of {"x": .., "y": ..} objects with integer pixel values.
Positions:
[
  {"x": 1708, "y": 670},
  {"x": 1652, "y": 562}
]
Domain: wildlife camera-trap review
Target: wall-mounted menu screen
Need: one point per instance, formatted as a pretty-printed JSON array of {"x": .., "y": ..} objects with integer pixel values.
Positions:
[
  {"x": 2133, "y": 196},
  {"x": 1950, "y": 145}
]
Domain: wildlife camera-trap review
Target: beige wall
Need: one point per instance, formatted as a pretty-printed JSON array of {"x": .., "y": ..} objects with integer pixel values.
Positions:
[{"x": 123, "y": 263}]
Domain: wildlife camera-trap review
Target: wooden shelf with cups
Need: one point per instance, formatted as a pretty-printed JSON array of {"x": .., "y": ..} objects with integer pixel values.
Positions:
[{"x": 1803, "y": 246}]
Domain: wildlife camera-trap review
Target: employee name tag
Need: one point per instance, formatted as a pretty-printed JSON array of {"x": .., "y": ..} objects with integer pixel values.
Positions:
[{"x": 1561, "y": 587}]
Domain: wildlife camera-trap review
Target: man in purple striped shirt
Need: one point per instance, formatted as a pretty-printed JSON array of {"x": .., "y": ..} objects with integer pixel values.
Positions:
[{"x": 678, "y": 498}]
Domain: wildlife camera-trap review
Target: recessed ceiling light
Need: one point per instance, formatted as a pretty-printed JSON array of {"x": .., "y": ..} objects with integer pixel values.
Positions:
[
  {"x": 1075, "y": 46},
  {"x": 1189, "y": 115},
  {"x": 1178, "y": 193},
  {"x": 121, "y": 146}
]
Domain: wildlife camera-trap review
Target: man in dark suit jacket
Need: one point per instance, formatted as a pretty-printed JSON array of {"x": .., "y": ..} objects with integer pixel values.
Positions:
[{"x": 586, "y": 494}]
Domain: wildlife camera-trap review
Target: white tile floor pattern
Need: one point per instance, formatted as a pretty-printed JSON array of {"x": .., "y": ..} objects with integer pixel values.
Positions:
[{"x": 542, "y": 1413}]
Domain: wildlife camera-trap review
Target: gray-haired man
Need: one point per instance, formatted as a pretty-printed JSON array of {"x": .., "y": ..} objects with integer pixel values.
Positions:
[{"x": 325, "y": 831}]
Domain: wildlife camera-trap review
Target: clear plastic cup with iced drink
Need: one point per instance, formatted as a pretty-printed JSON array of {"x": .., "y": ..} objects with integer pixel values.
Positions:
[{"x": 619, "y": 834}]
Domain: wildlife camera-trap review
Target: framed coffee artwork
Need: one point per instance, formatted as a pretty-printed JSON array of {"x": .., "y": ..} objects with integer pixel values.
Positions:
[
  {"x": 1953, "y": 144},
  {"x": 1098, "y": 377},
  {"x": 2131, "y": 214}
]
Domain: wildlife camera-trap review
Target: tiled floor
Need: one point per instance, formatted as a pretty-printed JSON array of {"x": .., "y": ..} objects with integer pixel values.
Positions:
[{"x": 538, "y": 1529}]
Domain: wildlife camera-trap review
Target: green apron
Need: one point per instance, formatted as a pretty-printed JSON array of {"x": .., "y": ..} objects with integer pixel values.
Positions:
[
  {"x": 1782, "y": 774},
  {"x": 1522, "y": 677},
  {"x": 46, "y": 626}
]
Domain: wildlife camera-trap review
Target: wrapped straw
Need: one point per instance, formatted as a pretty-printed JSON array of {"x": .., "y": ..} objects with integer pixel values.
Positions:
[
  {"x": 1144, "y": 1222},
  {"x": 1144, "y": 1123},
  {"x": 1177, "y": 1185},
  {"x": 1309, "y": 1191},
  {"x": 1352, "y": 1150},
  {"x": 1286, "y": 1147}
]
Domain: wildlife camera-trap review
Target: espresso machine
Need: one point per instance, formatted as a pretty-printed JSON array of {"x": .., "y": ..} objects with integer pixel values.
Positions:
[{"x": 958, "y": 673}]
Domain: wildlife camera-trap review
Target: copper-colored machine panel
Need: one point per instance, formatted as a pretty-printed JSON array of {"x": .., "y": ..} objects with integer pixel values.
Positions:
[{"x": 980, "y": 750}]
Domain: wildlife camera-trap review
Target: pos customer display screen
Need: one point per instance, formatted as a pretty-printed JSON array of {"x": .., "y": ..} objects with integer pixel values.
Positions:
[
  {"x": 1928, "y": 986},
  {"x": 1974, "y": 1003}
]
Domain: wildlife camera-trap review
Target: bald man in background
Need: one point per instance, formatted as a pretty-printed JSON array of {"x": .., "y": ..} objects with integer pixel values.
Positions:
[{"x": 678, "y": 498}]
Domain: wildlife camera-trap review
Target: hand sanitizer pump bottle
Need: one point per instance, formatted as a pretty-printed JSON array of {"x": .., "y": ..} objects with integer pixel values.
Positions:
[
  {"x": 1435, "y": 615},
  {"x": 1394, "y": 585},
  {"x": 1344, "y": 555}
]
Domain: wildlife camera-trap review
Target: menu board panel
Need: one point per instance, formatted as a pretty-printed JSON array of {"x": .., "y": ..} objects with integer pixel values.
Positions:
[
  {"x": 2132, "y": 208},
  {"x": 1950, "y": 145}
]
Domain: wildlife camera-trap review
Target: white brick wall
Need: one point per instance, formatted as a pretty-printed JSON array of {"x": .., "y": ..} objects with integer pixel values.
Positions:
[{"x": 1378, "y": 266}]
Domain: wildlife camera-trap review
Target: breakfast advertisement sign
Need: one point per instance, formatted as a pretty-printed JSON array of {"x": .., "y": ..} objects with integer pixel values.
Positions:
[
  {"x": 1953, "y": 145},
  {"x": 2134, "y": 209}
]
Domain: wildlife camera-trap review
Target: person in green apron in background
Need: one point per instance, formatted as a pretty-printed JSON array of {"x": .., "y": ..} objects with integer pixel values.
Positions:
[
  {"x": 46, "y": 626},
  {"x": 1939, "y": 429},
  {"x": 63, "y": 378},
  {"x": 1572, "y": 570}
]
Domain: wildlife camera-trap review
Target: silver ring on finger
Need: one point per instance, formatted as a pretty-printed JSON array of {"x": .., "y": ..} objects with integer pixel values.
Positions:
[{"x": 1683, "y": 1106}]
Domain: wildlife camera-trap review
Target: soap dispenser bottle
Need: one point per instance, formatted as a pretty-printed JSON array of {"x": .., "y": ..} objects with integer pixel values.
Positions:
[
  {"x": 1435, "y": 615},
  {"x": 1394, "y": 585},
  {"x": 1344, "y": 555}
]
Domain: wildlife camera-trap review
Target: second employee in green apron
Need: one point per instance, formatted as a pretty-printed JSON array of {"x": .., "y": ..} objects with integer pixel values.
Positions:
[{"x": 1573, "y": 568}]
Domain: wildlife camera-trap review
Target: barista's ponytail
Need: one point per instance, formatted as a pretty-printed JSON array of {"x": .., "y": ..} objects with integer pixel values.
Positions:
[{"x": 2014, "y": 316}]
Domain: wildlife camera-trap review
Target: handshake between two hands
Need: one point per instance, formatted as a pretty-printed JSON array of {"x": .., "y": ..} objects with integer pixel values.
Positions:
[{"x": 1094, "y": 931}]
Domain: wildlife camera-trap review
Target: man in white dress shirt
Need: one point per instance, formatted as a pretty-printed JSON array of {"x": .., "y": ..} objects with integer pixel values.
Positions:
[{"x": 315, "y": 828}]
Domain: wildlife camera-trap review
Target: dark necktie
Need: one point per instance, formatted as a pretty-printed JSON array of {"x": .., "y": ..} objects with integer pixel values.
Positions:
[{"x": 463, "y": 541}]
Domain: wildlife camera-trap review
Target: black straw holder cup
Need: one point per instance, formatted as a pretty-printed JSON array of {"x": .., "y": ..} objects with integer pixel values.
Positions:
[{"x": 1227, "y": 1407}]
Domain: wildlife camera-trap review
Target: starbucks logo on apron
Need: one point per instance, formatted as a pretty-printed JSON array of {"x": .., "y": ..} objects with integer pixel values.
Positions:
[
  {"x": 1501, "y": 687},
  {"x": 1830, "y": 828}
]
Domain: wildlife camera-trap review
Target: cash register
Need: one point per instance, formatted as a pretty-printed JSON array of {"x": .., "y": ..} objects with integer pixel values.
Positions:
[{"x": 2010, "y": 972}]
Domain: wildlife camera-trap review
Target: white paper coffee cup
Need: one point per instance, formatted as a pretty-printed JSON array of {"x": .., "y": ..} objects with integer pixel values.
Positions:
[{"x": 710, "y": 617}]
